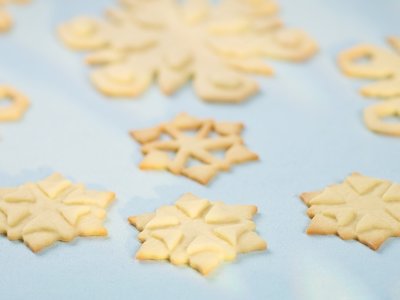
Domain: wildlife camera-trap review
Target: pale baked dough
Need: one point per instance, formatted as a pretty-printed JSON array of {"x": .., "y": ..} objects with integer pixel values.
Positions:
[
  {"x": 207, "y": 137},
  {"x": 173, "y": 42},
  {"x": 361, "y": 208},
  {"x": 197, "y": 232},
  {"x": 19, "y": 103},
  {"x": 374, "y": 116},
  {"x": 51, "y": 210},
  {"x": 6, "y": 21},
  {"x": 395, "y": 42},
  {"x": 368, "y": 61}
]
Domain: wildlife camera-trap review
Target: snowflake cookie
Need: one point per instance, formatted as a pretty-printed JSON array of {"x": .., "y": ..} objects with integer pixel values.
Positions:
[
  {"x": 197, "y": 232},
  {"x": 218, "y": 45},
  {"x": 174, "y": 145},
  {"x": 5, "y": 18},
  {"x": 51, "y": 210},
  {"x": 361, "y": 208},
  {"x": 19, "y": 103},
  {"x": 368, "y": 61}
]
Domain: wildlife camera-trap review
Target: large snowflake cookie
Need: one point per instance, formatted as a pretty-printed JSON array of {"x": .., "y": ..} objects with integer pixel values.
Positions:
[
  {"x": 5, "y": 18},
  {"x": 361, "y": 208},
  {"x": 197, "y": 232},
  {"x": 51, "y": 210},
  {"x": 173, "y": 41},
  {"x": 368, "y": 61},
  {"x": 175, "y": 145},
  {"x": 19, "y": 103}
]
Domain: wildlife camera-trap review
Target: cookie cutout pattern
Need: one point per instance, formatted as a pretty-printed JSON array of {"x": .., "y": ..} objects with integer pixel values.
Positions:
[
  {"x": 368, "y": 61},
  {"x": 188, "y": 138},
  {"x": 197, "y": 232},
  {"x": 172, "y": 41},
  {"x": 361, "y": 208},
  {"x": 51, "y": 210},
  {"x": 6, "y": 21},
  {"x": 374, "y": 117},
  {"x": 19, "y": 103}
]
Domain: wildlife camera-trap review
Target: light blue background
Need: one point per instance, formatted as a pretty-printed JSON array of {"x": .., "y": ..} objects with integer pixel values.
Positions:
[{"x": 306, "y": 125}]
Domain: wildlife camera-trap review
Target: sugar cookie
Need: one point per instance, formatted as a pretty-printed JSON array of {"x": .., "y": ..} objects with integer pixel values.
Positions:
[
  {"x": 51, "y": 210},
  {"x": 197, "y": 232},
  {"x": 172, "y": 42},
  {"x": 19, "y": 103},
  {"x": 368, "y": 61},
  {"x": 209, "y": 136},
  {"x": 6, "y": 21},
  {"x": 361, "y": 208},
  {"x": 374, "y": 115}
]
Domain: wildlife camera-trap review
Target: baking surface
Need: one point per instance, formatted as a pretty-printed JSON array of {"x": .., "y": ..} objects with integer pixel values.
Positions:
[{"x": 306, "y": 125}]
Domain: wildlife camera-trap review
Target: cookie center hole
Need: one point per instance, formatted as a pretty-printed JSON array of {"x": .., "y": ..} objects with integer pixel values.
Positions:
[
  {"x": 363, "y": 60},
  {"x": 4, "y": 102},
  {"x": 392, "y": 119}
]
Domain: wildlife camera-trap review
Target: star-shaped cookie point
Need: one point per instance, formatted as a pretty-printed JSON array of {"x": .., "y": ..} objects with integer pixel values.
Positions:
[
  {"x": 360, "y": 208},
  {"x": 175, "y": 145},
  {"x": 218, "y": 45},
  {"x": 372, "y": 62},
  {"x": 6, "y": 21},
  {"x": 19, "y": 103},
  {"x": 197, "y": 232},
  {"x": 53, "y": 209}
]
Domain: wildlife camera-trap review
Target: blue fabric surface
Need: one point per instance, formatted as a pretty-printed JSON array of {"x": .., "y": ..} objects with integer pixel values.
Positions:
[{"x": 306, "y": 124}]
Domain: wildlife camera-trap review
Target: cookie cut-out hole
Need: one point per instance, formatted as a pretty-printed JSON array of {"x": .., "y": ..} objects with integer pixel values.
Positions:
[
  {"x": 213, "y": 135},
  {"x": 219, "y": 153},
  {"x": 193, "y": 162},
  {"x": 171, "y": 154},
  {"x": 191, "y": 132},
  {"x": 5, "y": 102},
  {"x": 364, "y": 59},
  {"x": 394, "y": 119},
  {"x": 165, "y": 137}
]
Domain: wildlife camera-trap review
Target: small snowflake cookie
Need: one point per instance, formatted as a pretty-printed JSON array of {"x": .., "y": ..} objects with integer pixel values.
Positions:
[
  {"x": 197, "y": 232},
  {"x": 218, "y": 45},
  {"x": 51, "y": 210},
  {"x": 361, "y": 208},
  {"x": 5, "y": 18},
  {"x": 19, "y": 103},
  {"x": 368, "y": 61},
  {"x": 173, "y": 146}
]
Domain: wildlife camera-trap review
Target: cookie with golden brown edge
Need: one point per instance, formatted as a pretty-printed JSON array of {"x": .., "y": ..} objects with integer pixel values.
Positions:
[
  {"x": 174, "y": 145},
  {"x": 197, "y": 232},
  {"x": 360, "y": 208},
  {"x": 54, "y": 209}
]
